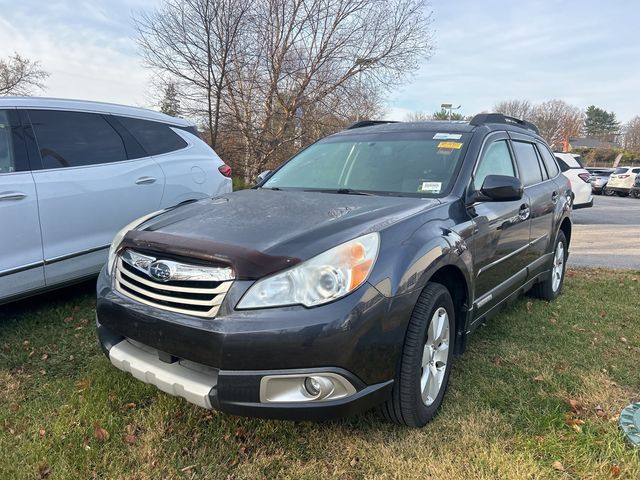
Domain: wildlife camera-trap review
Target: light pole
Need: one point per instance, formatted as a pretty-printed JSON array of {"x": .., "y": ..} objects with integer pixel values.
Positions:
[{"x": 450, "y": 107}]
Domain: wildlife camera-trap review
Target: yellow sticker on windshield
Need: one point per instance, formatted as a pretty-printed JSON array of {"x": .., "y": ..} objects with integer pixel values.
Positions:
[{"x": 450, "y": 145}]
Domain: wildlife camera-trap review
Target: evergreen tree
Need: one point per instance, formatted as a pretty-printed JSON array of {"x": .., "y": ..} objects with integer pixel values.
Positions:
[
  {"x": 170, "y": 103},
  {"x": 601, "y": 124}
]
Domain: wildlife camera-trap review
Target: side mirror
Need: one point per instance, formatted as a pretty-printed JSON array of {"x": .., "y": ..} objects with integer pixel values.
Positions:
[
  {"x": 501, "y": 188},
  {"x": 263, "y": 176}
]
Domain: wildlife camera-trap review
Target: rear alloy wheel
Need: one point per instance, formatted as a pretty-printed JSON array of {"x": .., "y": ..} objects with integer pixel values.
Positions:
[
  {"x": 608, "y": 192},
  {"x": 425, "y": 364},
  {"x": 550, "y": 288}
]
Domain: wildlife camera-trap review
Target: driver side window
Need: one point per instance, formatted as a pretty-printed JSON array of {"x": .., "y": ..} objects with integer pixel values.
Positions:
[{"x": 496, "y": 160}]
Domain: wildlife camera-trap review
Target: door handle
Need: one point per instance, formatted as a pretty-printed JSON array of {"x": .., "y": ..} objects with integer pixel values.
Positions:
[
  {"x": 554, "y": 197},
  {"x": 145, "y": 180},
  {"x": 12, "y": 195},
  {"x": 525, "y": 211}
]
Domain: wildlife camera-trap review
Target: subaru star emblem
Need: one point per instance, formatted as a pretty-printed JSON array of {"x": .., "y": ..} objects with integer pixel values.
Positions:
[{"x": 160, "y": 271}]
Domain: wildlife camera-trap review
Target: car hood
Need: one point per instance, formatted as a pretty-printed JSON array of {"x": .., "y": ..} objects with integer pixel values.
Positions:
[{"x": 295, "y": 225}]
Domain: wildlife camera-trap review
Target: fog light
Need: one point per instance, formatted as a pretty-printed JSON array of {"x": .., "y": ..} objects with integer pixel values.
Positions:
[{"x": 312, "y": 386}]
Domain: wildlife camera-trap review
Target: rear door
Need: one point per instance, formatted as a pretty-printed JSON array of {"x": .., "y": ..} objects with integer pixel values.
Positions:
[
  {"x": 543, "y": 195},
  {"x": 94, "y": 179},
  {"x": 21, "y": 265},
  {"x": 502, "y": 230}
]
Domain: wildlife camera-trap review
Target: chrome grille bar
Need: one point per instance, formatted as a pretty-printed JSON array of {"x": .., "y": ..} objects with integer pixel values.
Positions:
[{"x": 134, "y": 277}]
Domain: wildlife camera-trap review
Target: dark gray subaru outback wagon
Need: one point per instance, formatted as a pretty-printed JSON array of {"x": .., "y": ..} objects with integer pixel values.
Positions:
[{"x": 347, "y": 278}]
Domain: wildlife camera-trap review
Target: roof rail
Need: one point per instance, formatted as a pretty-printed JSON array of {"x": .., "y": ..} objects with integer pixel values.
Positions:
[
  {"x": 483, "y": 118},
  {"x": 368, "y": 123}
]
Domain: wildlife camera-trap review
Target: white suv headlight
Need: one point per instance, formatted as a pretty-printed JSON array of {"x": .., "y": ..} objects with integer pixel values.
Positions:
[
  {"x": 117, "y": 240},
  {"x": 321, "y": 279}
]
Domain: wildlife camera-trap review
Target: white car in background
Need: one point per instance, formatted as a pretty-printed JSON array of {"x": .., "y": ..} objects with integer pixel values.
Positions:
[
  {"x": 73, "y": 173},
  {"x": 622, "y": 180},
  {"x": 572, "y": 168}
]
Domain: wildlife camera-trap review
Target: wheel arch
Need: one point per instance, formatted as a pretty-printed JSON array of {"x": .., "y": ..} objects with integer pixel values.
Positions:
[
  {"x": 453, "y": 279},
  {"x": 565, "y": 227}
]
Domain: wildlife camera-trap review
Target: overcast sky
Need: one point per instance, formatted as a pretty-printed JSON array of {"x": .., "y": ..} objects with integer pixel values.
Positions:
[{"x": 582, "y": 51}]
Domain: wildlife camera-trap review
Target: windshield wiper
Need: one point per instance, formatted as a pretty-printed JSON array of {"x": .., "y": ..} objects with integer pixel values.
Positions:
[
  {"x": 344, "y": 191},
  {"x": 351, "y": 191}
]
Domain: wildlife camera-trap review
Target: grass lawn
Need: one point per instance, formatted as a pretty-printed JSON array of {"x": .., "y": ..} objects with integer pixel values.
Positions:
[{"x": 535, "y": 396}]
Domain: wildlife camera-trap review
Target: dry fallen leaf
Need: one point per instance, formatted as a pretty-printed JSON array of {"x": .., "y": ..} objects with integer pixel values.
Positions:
[
  {"x": 42, "y": 432},
  {"x": 354, "y": 461},
  {"x": 130, "y": 439},
  {"x": 129, "y": 406},
  {"x": 558, "y": 466},
  {"x": 101, "y": 434},
  {"x": 575, "y": 405},
  {"x": 44, "y": 357},
  {"x": 538, "y": 378},
  {"x": 529, "y": 305},
  {"x": 44, "y": 471},
  {"x": 615, "y": 470},
  {"x": 83, "y": 384}
]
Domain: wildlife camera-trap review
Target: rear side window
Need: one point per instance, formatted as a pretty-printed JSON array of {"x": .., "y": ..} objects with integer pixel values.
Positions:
[
  {"x": 620, "y": 170},
  {"x": 528, "y": 163},
  {"x": 7, "y": 162},
  {"x": 496, "y": 160},
  {"x": 635, "y": 170},
  {"x": 75, "y": 139},
  {"x": 155, "y": 137},
  {"x": 549, "y": 161}
]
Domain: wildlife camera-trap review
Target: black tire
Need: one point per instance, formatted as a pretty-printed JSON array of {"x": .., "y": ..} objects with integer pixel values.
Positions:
[
  {"x": 608, "y": 192},
  {"x": 623, "y": 194},
  {"x": 406, "y": 407},
  {"x": 545, "y": 290}
]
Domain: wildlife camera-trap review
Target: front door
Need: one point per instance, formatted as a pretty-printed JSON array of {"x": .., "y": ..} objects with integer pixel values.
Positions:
[
  {"x": 21, "y": 265},
  {"x": 88, "y": 189},
  {"x": 502, "y": 230}
]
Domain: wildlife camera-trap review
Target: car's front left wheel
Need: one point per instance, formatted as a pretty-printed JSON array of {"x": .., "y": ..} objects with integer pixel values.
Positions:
[{"x": 427, "y": 354}]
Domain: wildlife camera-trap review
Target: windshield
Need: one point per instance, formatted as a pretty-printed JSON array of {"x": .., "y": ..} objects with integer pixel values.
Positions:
[{"x": 398, "y": 163}]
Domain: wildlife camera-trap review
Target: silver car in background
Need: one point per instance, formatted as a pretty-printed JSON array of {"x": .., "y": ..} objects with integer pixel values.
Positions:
[{"x": 73, "y": 173}]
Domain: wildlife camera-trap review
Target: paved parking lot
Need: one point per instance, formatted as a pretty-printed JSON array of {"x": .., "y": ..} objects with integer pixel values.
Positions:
[{"x": 607, "y": 234}]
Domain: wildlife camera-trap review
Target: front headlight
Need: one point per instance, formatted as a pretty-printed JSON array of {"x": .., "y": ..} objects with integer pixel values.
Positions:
[
  {"x": 321, "y": 279},
  {"x": 117, "y": 240}
]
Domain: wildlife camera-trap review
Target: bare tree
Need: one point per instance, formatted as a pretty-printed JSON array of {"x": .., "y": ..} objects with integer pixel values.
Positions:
[
  {"x": 521, "y": 109},
  {"x": 309, "y": 55},
  {"x": 632, "y": 135},
  {"x": 20, "y": 76},
  {"x": 558, "y": 121},
  {"x": 190, "y": 42},
  {"x": 417, "y": 117}
]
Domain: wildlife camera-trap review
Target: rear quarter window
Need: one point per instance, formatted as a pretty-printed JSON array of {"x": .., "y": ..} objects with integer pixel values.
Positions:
[
  {"x": 155, "y": 137},
  {"x": 620, "y": 170}
]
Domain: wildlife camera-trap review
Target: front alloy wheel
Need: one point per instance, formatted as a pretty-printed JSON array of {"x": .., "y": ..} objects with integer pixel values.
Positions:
[
  {"x": 425, "y": 364},
  {"x": 435, "y": 356}
]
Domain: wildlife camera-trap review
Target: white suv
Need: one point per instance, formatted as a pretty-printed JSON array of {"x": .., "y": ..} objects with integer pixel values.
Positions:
[
  {"x": 622, "y": 180},
  {"x": 73, "y": 173},
  {"x": 572, "y": 168}
]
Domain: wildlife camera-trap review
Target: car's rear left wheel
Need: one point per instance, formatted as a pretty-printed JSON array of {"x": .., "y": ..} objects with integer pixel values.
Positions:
[
  {"x": 427, "y": 354},
  {"x": 550, "y": 287}
]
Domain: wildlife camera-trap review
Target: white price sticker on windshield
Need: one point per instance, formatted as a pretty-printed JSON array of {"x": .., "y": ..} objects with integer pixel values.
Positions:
[
  {"x": 447, "y": 136},
  {"x": 431, "y": 187}
]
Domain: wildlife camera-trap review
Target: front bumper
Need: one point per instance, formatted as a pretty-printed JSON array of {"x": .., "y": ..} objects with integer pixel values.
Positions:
[{"x": 358, "y": 337}]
